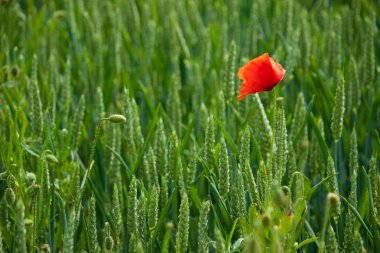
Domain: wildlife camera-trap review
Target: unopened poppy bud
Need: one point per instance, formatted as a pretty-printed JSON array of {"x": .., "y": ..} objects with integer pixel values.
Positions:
[
  {"x": 28, "y": 222},
  {"x": 333, "y": 199},
  {"x": 279, "y": 100},
  {"x": 117, "y": 118},
  {"x": 59, "y": 14},
  {"x": 45, "y": 247},
  {"x": 30, "y": 178},
  {"x": 51, "y": 158},
  {"x": 64, "y": 132},
  {"x": 285, "y": 190},
  {"x": 10, "y": 180},
  {"x": 266, "y": 220},
  {"x": 10, "y": 196},
  {"x": 4, "y": 2},
  {"x": 279, "y": 198},
  {"x": 109, "y": 244},
  {"x": 15, "y": 71},
  {"x": 169, "y": 225},
  {"x": 304, "y": 144},
  {"x": 5, "y": 77}
]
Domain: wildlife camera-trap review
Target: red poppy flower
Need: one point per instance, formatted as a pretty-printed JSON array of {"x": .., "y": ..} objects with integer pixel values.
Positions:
[{"x": 260, "y": 74}]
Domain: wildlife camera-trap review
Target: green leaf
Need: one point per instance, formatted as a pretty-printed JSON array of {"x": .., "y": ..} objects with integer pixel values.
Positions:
[
  {"x": 98, "y": 195},
  {"x": 353, "y": 209},
  {"x": 237, "y": 114},
  {"x": 310, "y": 231},
  {"x": 322, "y": 143},
  {"x": 315, "y": 187},
  {"x": 255, "y": 146},
  {"x": 195, "y": 197},
  {"x": 226, "y": 135},
  {"x": 298, "y": 179},
  {"x": 118, "y": 156},
  {"x": 147, "y": 98},
  {"x": 301, "y": 130},
  {"x": 187, "y": 135},
  {"x": 147, "y": 140},
  {"x": 368, "y": 183},
  {"x": 162, "y": 217},
  {"x": 61, "y": 204},
  {"x": 29, "y": 149},
  {"x": 307, "y": 241},
  {"x": 86, "y": 175},
  {"x": 229, "y": 238},
  {"x": 298, "y": 221},
  {"x": 299, "y": 210},
  {"x": 222, "y": 206},
  {"x": 237, "y": 245}
]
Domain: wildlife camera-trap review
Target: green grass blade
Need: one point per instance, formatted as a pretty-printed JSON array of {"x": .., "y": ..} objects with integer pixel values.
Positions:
[
  {"x": 162, "y": 218},
  {"x": 353, "y": 209},
  {"x": 310, "y": 231},
  {"x": 301, "y": 130},
  {"x": 306, "y": 242},
  {"x": 315, "y": 187},
  {"x": 229, "y": 238},
  {"x": 121, "y": 160},
  {"x": 227, "y": 136},
  {"x": 147, "y": 140},
  {"x": 322, "y": 143},
  {"x": 63, "y": 216}
]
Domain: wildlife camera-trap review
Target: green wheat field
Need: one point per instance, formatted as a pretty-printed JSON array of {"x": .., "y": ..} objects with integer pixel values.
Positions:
[{"x": 121, "y": 131}]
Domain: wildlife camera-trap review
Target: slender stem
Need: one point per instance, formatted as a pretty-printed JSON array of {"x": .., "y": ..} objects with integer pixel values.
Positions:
[
  {"x": 228, "y": 115},
  {"x": 97, "y": 134},
  {"x": 336, "y": 159},
  {"x": 34, "y": 221},
  {"x": 165, "y": 244},
  {"x": 336, "y": 162},
  {"x": 52, "y": 214},
  {"x": 324, "y": 225},
  {"x": 337, "y": 231}
]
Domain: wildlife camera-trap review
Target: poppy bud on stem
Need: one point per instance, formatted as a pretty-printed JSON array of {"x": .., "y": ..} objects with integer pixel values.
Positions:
[
  {"x": 279, "y": 100},
  {"x": 169, "y": 226},
  {"x": 117, "y": 118},
  {"x": 114, "y": 118},
  {"x": 332, "y": 201},
  {"x": 266, "y": 220}
]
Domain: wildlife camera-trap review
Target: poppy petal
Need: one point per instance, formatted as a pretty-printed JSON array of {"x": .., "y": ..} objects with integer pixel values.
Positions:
[{"x": 260, "y": 74}]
